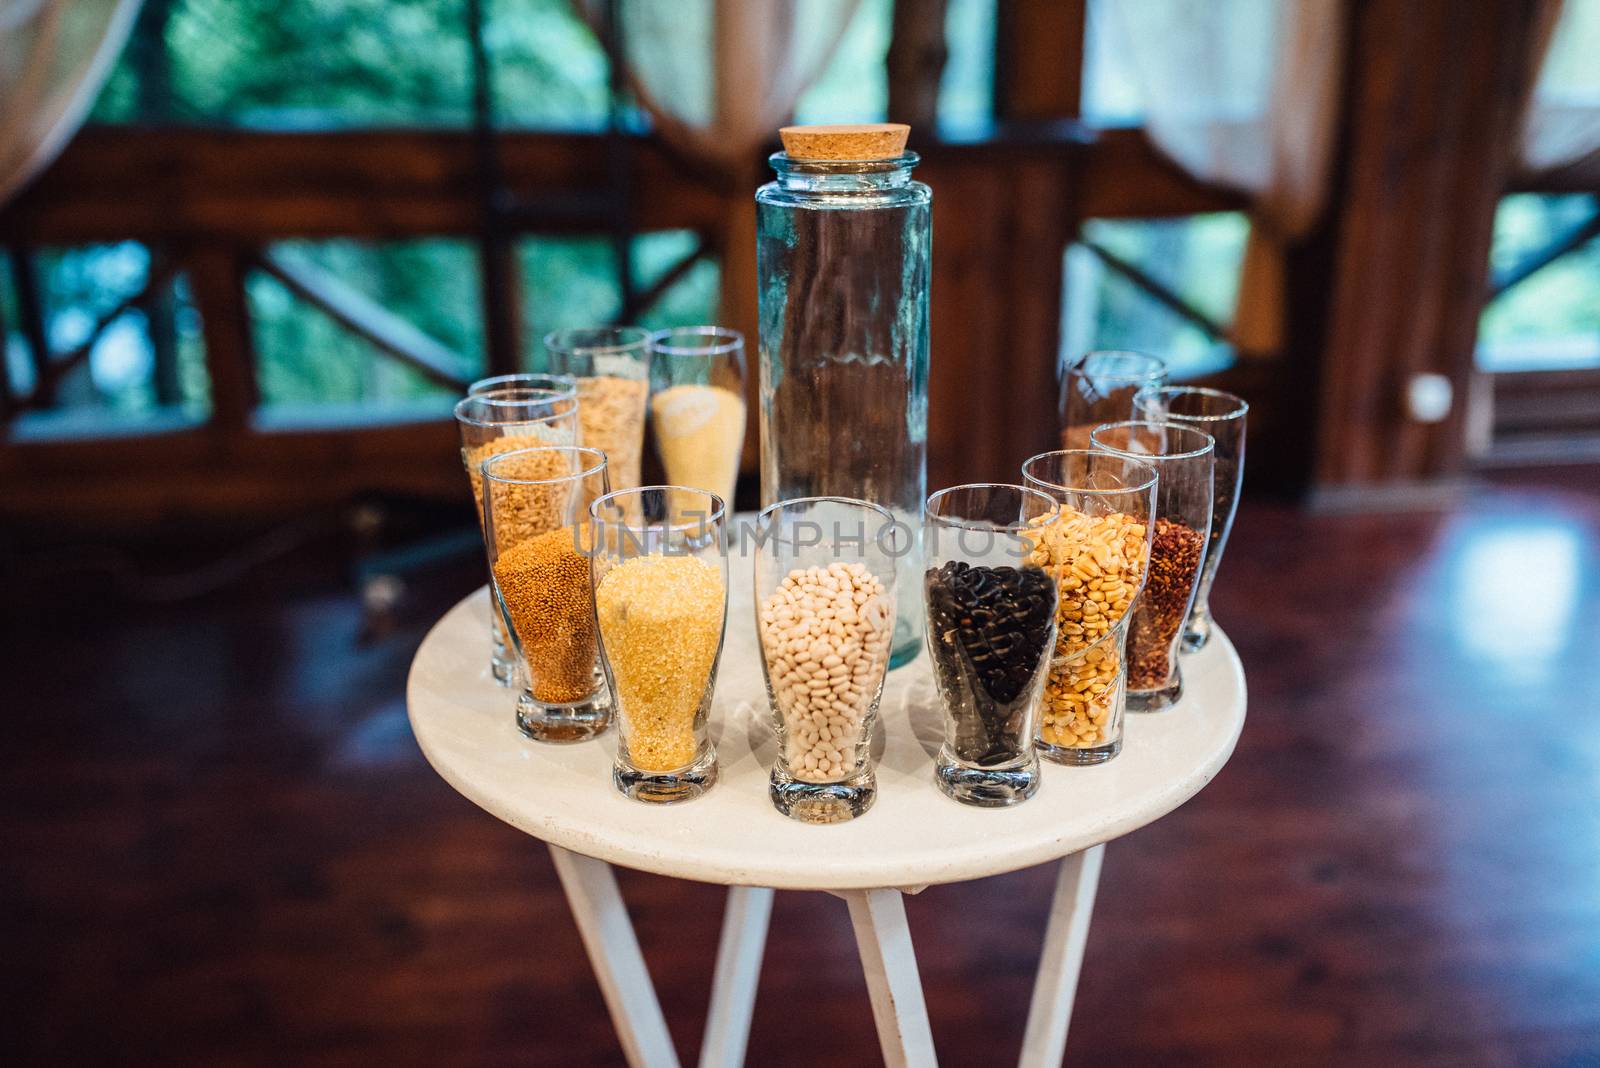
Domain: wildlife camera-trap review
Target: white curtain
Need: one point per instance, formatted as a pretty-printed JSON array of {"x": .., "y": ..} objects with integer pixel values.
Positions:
[
  {"x": 1243, "y": 93},
  {"x": 1564, "y": 114},
  {"x": 54, "y": 56},
  {"x": 720, "y": 76}
]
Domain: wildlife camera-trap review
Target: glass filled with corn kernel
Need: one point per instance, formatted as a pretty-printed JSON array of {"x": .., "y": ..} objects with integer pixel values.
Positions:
[
  {"x": 660, "y": 577},
  {"x": 536, "y": 522},
  {"x": 1096, "y": 545},
  {"x": 501, "y": 415}
]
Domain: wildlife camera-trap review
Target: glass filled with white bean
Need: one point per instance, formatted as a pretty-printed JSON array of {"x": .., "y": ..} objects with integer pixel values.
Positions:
[{"x": 825, "y": 611}]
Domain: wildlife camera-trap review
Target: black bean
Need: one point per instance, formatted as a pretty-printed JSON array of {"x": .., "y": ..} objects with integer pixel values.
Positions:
[{"x": 992, "y": 630}]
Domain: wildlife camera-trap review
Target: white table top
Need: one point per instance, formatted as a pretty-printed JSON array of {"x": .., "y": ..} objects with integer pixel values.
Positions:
[{"x": 913, "y": 835}]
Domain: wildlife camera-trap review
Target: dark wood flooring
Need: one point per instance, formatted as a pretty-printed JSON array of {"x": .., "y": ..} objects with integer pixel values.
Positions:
[{"x": 220, "y": 844}]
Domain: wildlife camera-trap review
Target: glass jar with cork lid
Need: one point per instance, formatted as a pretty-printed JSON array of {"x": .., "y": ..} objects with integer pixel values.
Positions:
[{"x": 843, "y": 238}]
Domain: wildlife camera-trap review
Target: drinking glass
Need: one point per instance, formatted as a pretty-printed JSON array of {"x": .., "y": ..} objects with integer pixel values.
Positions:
[
  {"x": 612, "y": 366},
  {"x": 1222, "y": 415},
  {"x": 1098, "y": 387},
  {"x": 499, "y": 421},
  {"x": 1182, "y": 456},
  {"x": 825, "y": 610},
  {"x": 1096, "y": 547},
  {"x": 536, "y": 523},
  {"x": 660, "y": 576},
  {"x": 697, "y": 381},
  {"x": 566, "y": 385},
  {"x": 991, "y": 627}
]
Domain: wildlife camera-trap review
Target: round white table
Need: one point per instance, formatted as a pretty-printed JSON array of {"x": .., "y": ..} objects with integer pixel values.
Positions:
[{"x": 912, "y": 837}]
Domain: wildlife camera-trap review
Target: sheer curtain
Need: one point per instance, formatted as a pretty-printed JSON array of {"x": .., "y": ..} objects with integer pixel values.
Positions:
[
  {"x": 1243, "y": 93},
  {"x": 54, "y": 56},
  {"x": 1564, "y": 114},
  {"x": 718, "y": 77}
]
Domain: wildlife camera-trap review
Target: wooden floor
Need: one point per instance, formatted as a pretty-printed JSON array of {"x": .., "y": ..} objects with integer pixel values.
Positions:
[{"x": 221, "y": 846}]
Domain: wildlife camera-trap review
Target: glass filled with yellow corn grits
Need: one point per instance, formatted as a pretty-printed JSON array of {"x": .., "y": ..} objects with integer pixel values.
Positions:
[
  {"x": 659, "y": 570},
  {"x": 536, "y": 522},
  {"x": 498, "y": 416}
]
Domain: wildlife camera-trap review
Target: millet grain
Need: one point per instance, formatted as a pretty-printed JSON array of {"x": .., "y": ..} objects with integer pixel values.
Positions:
[
  {"x": 661, "y": 627},
  {"x": 544, "y": 582}
]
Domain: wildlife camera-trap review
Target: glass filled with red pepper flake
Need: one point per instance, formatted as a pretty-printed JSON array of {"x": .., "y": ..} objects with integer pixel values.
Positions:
[{"x": 1183, "y": 458}]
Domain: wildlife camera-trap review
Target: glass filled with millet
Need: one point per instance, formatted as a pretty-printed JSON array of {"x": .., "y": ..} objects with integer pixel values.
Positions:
[
  {"x": 660, "y": 577},
  {"x": 503, "y": 415},
  {"x": 536, "y": 520}
]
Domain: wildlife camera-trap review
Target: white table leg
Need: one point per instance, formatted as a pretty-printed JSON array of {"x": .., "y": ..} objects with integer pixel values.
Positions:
[
  {"x": 1045, "y": 1041},
  {"x": 613, "y": 948},
  {"x": 733, "y": 988},
  {"x": 879, "y": 917}
]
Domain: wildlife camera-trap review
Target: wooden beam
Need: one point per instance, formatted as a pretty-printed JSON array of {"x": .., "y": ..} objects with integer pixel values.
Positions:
[
  {"x": 1039, "y": 59},
  {"x": 367, "y": 319},
  {"x": 7, "y": 393},
  {"x": 917, "y": 54},
  {"x": 217, "y": 280},
  {"x": 116, "y": 183},
  {"x": 31, "y": 316},
  {"x": 165, "y": 475},
  {"x": 255, "y": 187},
  {"x": 1437, "y": 98}
]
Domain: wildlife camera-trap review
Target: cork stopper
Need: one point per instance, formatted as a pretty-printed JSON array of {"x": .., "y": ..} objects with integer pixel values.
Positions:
[{"x": 877, "y": 140}]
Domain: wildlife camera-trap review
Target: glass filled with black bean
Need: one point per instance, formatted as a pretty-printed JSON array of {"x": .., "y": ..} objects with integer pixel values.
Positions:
[{"x": 991, "y": 615}]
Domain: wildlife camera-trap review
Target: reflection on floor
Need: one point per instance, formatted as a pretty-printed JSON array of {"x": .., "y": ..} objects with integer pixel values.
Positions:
[{"x": 221, "y": 843}]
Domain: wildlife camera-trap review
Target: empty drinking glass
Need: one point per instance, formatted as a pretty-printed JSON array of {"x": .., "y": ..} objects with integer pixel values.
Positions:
[
  {"x": 825, "y": 610},
  {"x": 991, "y": 628},
  {"x": 536, "y": 524},
  {"x": 612, "y": 366},
  {"x": 697, "y": 378},
  {"x": 498, "y": 421},
  {"x": 1098, "y": 387},
  {"x": 660, "y": 576},
  {"x": 1097, "y": 547},
  {"x": 1181, "y": 456},
  {"x": 1222, "y": 415}
]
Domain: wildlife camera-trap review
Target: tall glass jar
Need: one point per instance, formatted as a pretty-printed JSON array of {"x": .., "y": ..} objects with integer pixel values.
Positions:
[{"x": 842, "y": 258}]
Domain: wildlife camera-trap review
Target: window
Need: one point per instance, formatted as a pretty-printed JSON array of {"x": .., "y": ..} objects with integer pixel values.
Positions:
[
  {"x": 1110, "y": 90},
  {"x": 1548, "y": 320},
  {"x": 855, "y": 85},
  {"x": 136, "y": 361},
  {"x": 572, "y": 282},
  {"x": 319, "y": 64},
  {"x": 1196, "y": 259},
  {"x": 304, "y": 356}
]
